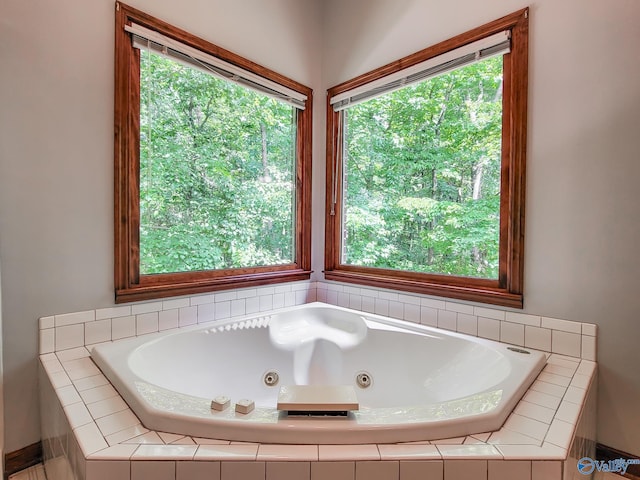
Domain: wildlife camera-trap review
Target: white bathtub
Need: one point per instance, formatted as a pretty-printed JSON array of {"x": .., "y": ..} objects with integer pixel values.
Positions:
[{"x": 425, "y": 383}]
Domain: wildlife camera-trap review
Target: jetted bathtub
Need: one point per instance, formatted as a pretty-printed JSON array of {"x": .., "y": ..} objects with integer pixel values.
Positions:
[{"x": 412, "y": 382}]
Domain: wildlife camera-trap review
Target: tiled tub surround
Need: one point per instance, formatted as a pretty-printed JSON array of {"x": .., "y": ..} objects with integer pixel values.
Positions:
[{"x": 90, "y": 433}]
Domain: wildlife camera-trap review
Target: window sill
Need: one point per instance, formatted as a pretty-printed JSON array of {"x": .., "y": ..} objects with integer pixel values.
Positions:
[
  {"x": 166, "y": 286},
  {"x": 480, "y": 294}
]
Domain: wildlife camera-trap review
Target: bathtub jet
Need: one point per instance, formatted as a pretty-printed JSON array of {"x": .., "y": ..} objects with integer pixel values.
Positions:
[{"x": 410, "y": 382}]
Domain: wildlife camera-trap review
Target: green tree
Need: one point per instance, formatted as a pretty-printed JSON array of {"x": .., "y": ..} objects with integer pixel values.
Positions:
[{"x": 422, "y": 175}]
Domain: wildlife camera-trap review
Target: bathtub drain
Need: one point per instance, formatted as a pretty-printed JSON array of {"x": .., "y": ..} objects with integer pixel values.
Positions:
[
  {"x": 271, "y": 379},
  {"x": 364, "y": 380}
]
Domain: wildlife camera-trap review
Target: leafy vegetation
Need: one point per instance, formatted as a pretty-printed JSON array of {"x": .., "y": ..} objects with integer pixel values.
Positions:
[
  {"x": 422, "y": 175},
  {"x": 216, "y": 172}
]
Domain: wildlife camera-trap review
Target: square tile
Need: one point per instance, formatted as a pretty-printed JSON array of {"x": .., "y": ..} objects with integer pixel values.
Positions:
[
  {"x": 489, "y": 328},
  {"x": 465, "y": 470},
  {"x": 108, "y": 470},
  {"x": 548, "y": 388},
  {"x": 106, "y": 407},
  {"x": 87, "y": 383},
  {"x": 509, "y": 470},
  {"x": 98, "y": 331},
  {"x": 537, "y": 412},
  {"x": 566, "y": 343},
  {"x": 244, "y": 452},
  {"x": 147, "y": 323},
  {"x": 187, "y": 316},
  {"x": 512, "y": 333},
  {"x": 489, "y": 313},
  {"x": 408, "y": 452},
  {"x": 98, "y": 393},
  {"x": 168, "y": 319},
  {"x": 333, "y": 470},
  {"x": 156, "y": 470},
  {"x": 447, "y": 320},
  {"x": 90, "y": 439},
  {"x": 242, "y": 471},
  {"x": 421, "y": 470},
  {"x": 70, "y": 336},
  {"x": 166, "y": 452},
  {"x": 560, "y": 433},
  {"x": 126, "y": 434},
  {"x": 428, "y": 316},
  {"x": 123, "y": 327},
  {"x": 116, "y": 422},
  {"x": 546, "y": 470},
  {"x": 77, "y": 415},
  {"x": 189, "y": 470},
  {"x": 290, "y": 453},
  {"x": 386, "y": 470},
  {"x": 68, "y": 395},
  {"x": 538, "y": 338},
  {"x": 347, "y": 452},
  {"x": 114, "y": 452},
  {"x": 47, "y": 340},
  {"x": 526, "y": 426},
  {"x": 467, "y": 324},
  {"x": 288, "y": 470},
  {"x": 475, "y": 452}
]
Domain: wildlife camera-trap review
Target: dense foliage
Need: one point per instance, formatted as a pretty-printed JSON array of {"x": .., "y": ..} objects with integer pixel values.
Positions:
[
  {"x": 216, "y": 172},
  {"x": 422, "y": 175}
]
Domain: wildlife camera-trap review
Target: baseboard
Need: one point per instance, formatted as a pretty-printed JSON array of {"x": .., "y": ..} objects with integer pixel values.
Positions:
[
  {"x": 20, "y": 459},
  {"x": 606, "y": 453}
]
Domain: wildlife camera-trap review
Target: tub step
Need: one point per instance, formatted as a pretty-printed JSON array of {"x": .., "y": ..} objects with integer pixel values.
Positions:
[{"x": 319, "y": 399}]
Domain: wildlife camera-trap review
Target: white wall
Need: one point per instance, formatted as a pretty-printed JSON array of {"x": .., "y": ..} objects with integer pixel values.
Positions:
[
  {"x": 56, "y": 154},
  {"x": 582, "y": 215}
]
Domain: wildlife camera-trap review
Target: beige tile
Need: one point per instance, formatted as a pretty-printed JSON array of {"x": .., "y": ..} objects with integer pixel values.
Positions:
[
  {"x": 408, "y": 452},
  {"x": 374, "y": 470},
  {"x": 532, "y": 452},
  {"x": 479, "y": 452},
  {"x": 115, "y": 452},
  {"x": 421, "y": 470},
  {"x": 190, "y": 470},
  {"x": 116, "y": 422},
  {"x": 90, "y": 439},
  {"x": 227, "y": 452},
  {"x": 546, "y": 470},
  {"x": 292, "y": 453},
  {"x": 288, "y": 470},
  {"x": 166, "y": 452},
  {"x": 347, "y": 452},
  {"x": 156, "y": 470},
  {"x": 536, "y": 412},
  {"x": 509, "y": 470},
  {"x": 126, "y": 434},
  {"x": 333, "y": 470},
  {"x": 465, "y": 470},
  {"x": 108, "y": 470},
  {"x": 242, "y": 471}
]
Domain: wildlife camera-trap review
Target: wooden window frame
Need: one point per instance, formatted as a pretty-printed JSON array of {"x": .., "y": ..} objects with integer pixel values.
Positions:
[
  {"x": 130, "y": 285},
  {"x": 507, "y": 290}
]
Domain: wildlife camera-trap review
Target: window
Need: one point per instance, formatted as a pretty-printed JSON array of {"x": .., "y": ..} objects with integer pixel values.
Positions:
[
  {"x": 212, "y": 166},
  {"x": 425, "y": 169}
]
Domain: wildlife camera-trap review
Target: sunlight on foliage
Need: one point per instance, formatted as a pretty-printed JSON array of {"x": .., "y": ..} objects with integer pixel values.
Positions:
[
  {"x": 217, "y": 179},
  {"x": 422, "y": 175}
]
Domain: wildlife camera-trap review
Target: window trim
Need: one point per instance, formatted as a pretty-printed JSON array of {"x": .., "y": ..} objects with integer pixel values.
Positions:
[
  {"x": 129, "y": 284},
  {"x": 507, "y": 290}
]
